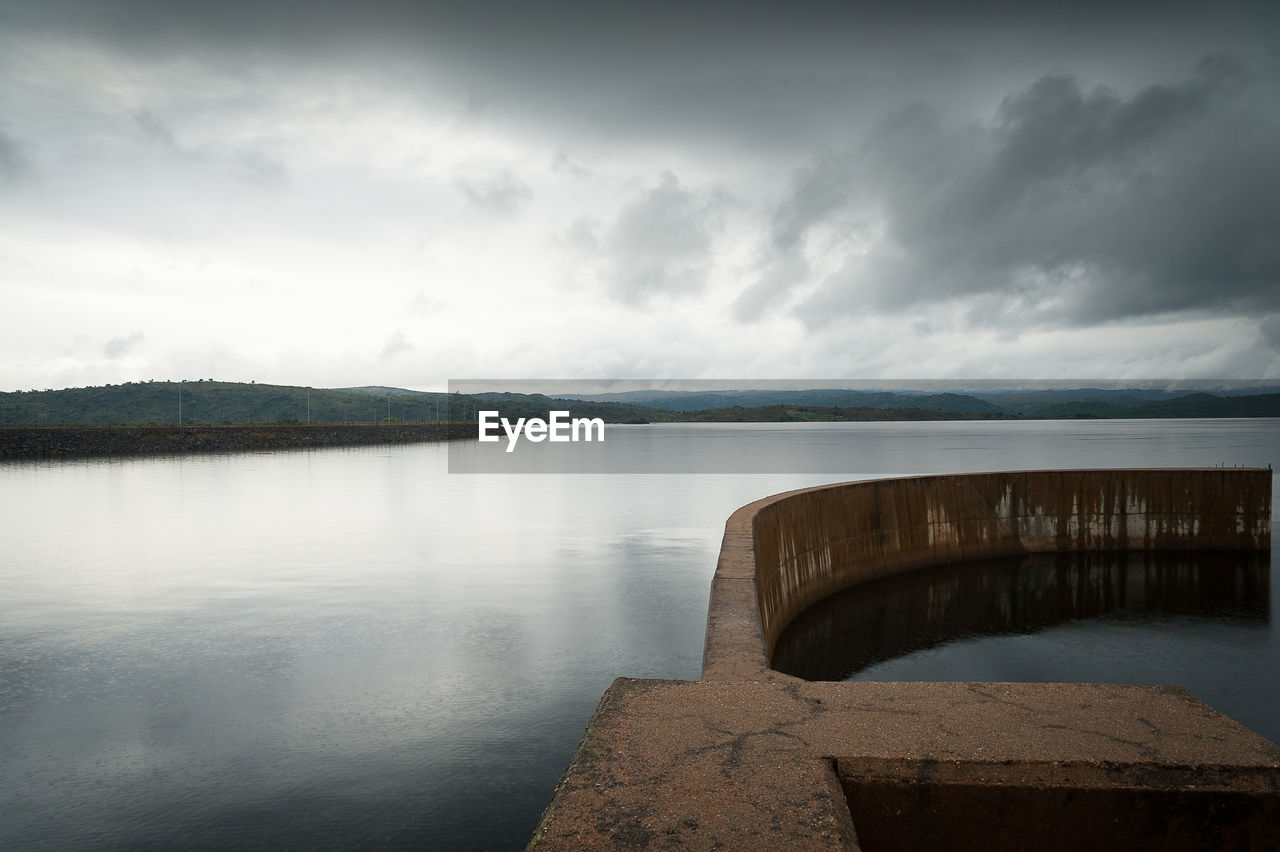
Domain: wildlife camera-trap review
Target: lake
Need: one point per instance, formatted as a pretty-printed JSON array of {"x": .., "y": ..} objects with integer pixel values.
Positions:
[{"x": 356, "y": 648}]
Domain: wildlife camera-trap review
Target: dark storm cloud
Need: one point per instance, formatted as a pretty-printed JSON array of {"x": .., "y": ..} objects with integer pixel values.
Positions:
[
  {"x": 1076, "y": 204},
  {"x": 779, "y": 78},
  {"x": 297, "y": 18},
  {"x": 1270, "y": 331}
]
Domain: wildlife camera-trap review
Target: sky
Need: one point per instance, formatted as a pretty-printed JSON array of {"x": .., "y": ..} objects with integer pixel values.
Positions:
[{"x": 395, "y": 193}]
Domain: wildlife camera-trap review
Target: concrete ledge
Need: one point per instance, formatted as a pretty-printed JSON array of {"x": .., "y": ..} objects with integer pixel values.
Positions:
[{"x": 683, "y": 765}]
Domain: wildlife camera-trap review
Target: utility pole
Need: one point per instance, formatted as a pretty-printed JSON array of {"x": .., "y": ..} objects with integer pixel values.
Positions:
[{"x": 180, "y": 402}]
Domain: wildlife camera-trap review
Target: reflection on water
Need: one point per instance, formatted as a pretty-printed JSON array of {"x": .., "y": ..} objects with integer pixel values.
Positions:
[
  {"x": 960, "y": 605},
  {"x": 334, "y": 649}
]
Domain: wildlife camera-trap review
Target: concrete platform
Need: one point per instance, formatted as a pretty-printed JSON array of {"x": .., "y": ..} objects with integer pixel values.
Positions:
[{"x": 724, "y": 765}]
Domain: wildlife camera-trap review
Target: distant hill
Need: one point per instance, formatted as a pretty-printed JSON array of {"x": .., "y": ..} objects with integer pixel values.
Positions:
[
  {"x": 513, "y": 405},
  {"x": 210, "y": 402},
  {"x": 814, "y": 413},
  {"x": 1107, "y": 402},
  {"x": 1208, "y": 405},
  {"x": 828, "y": 397},
  {"x": 142, "y": 403},
  {"x": 382, "y": 391},
  {"x": 1126, "y": 406}
]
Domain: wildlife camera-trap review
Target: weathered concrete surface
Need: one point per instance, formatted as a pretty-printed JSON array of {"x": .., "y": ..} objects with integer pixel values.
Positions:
[
  {"x": 679, "y": 765},
  {"x": 786, "y": 552}
]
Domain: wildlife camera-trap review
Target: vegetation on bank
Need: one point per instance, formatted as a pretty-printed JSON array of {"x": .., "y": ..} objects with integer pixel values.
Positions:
[
  {"x": 232, "y": 403},
  {"x": 46, "y": 442},
  {"x": 235, "y": 403},
  {"x": 819, "y": 414}
]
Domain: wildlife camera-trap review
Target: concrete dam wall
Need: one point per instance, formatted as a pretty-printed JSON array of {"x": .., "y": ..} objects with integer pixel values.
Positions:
[
  {"x": 750, "y": 758},
  {"x": 786, "y": 552}
]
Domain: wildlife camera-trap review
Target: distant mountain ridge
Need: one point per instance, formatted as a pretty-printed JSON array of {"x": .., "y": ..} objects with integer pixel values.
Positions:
[
  {"x": 235, "y": 403},
  {"x": 143, "y": 403},
  {"x": 210, "y": 402},
  {"x": 831, "y": 397}
]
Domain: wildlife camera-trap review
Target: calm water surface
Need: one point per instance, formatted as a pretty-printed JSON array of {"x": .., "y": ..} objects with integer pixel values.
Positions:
[
  {"x": 1201, "y": 620},
  {"x": 357, "y": 649}
]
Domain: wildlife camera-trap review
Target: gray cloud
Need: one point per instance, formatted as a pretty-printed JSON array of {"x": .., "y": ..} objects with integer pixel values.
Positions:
[
  {"x": 1076, "y": 205},
  {"x": 772, "y": 286},
  {"x": 248, "y": 164},
  {"x": 765, "y": 75},
  {"x": 118, "y": 347},
  {"x": 308, "y": 20},
  {"x": 396, "y": 344},
  {"x": 562, "y": 161},
  {"x": 659, "y": 244},
  {"x": 15, "y": 166},
  {"x": 581, "y": 236},
  {"x": 1269, "y": 328},
  {"x": 503, "y": 192},
  {"x": 818, "y": 191},
  {"x": 259, "y": 168},
  {"x": 155, "y": 130}
]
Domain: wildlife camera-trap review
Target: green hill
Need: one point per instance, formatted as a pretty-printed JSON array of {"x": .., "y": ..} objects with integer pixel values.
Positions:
[
  {"x": 815, "y": 413},
  {"x": 230, "y": 403},
  {"x": 141, "y": 403}
]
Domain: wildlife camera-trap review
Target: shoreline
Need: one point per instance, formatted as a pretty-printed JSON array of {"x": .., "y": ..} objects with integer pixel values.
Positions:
[{"x": 57, "y": 442}]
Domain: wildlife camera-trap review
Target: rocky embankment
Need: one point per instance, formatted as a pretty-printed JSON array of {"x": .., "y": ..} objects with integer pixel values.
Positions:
[{"x": 83, "y": 441}]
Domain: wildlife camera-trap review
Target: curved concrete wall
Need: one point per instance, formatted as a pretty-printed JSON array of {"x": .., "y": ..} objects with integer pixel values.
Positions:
[{"x": 785, "y": 552}]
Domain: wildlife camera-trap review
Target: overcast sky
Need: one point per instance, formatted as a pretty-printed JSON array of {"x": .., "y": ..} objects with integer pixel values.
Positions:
[{"x": 400, "y": 193}]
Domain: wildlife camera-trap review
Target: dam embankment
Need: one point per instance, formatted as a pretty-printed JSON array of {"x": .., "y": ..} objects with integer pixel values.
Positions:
[
  {"x": 48, "y": 442},
  {"x": 784, "y": 553},
  {"x": 749, "y": 758}
]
